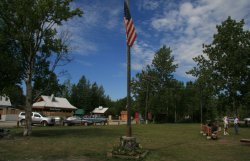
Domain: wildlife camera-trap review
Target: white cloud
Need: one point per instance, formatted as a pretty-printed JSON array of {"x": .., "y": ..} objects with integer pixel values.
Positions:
[
  {"x": 142, "y": 55},
  {"x": 183, "y": 25},
  {"x": 113, "y": 17},
  {"x": 150, "y": 4},
  {"x": 168, "y": 21},
  {"x": 84, "y": 63},
  {"x": 78, "y": 40},
  {"x": 187, "y": 27},
  {"x": 83, "y": 28}
]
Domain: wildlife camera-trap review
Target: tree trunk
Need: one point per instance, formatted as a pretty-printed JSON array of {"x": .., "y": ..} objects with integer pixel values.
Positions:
[{"x": 28, "y": 108}]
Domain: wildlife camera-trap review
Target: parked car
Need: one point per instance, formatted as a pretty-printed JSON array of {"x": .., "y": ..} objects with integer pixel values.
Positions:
[
  {"x": 36, "y": 118},
  {"x": 75, "y": 120},
  {"x": 58, "y": 120},
  {"x": 96, "y": 119}
]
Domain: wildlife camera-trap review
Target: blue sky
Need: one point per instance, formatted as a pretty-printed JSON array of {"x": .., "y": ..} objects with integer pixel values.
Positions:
[{"x": 99, "y": 44}]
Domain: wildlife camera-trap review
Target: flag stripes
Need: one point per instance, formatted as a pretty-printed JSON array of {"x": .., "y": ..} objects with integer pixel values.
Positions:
[{"x": 129, "y": 25}]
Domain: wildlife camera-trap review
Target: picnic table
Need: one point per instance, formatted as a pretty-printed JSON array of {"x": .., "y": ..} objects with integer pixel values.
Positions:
[
  {"x": 207, "y": 131},
  {"x": 245, "y": 140}
]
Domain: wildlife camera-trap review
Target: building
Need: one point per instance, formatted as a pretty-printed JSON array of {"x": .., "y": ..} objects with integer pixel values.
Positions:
[
  {"x": 124, "y": 115},
  {"x": 99, "y": 110},
  {"x": 53, "y": 106},
  {"x": 7, "y": 112}
]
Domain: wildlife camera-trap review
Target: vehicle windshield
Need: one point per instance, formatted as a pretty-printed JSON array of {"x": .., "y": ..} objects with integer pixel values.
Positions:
[{"x": 42, "y": 115}]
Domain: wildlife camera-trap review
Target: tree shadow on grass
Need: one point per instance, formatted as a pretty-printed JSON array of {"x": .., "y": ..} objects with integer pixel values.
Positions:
[{"x": 75, "y": 131}]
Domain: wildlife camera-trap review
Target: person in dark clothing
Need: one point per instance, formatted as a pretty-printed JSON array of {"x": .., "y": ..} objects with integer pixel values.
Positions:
[{"x": 214, "y": 130}]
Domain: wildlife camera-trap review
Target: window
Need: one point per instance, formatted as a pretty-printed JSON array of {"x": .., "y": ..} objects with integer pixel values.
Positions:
[{"x": 36, "y": 115}]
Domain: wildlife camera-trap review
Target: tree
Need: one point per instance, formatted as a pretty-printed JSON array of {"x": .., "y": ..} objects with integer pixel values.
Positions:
[
  {"x": 88, "y": 96},
  {"x": 98, "y": 97},
  {"x": 143, "y": 90},
  {"x": 45, "y": 80},
  {"x": 224, "y": 69},
  {"x": 80, "y": 95},
  {"x": 10, "y": 66},
  {"x": 162, "y": 68},
  {"x": 32, "y": 25},
  {"x": 118, "y": 106},
  {"x": 15, "y": 94},
  {"x": 154, "y": 87},
  {"x": 191, "y": 102},
  {"x": 66, "y": 89}
]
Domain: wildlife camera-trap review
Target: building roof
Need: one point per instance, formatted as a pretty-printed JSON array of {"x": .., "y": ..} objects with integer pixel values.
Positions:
[
  {"x": 5, "y": 101},
  {"x": 53, "y": 102},
  {"x": 100, "y": 110}
]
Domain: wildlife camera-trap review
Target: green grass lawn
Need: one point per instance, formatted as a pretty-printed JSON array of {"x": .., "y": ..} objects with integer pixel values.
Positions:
[{"x": 165, "y": 142}]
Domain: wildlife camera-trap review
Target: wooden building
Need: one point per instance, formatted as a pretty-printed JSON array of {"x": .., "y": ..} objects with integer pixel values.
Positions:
[
  {"x": 7, "y": 112},
  {"x": 124, "y": 115},
  {"x": 53, "y": 106}
]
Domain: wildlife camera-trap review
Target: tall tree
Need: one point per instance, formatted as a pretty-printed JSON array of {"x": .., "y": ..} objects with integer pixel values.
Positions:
[
  {"x": 88, "y": 96},
  {"x": 162, "y": 69},
  {"x": 10, "y": 66},
  {"x": 143, "y": 90},
  {"x": 97, "y": 96},
  {"x": 66, "y": 89},
  {"x": 225, "y": 66},
  {"x": 190, "y": 103},
  {"x": 154, "y": 87},
  {"x": 45, "y": 80},
  {"x": 15, "y": 94},
  {"x": 32, "y": 24},
  {"x": 118, "y": 106},
  {"x": 80, "y": 95}
]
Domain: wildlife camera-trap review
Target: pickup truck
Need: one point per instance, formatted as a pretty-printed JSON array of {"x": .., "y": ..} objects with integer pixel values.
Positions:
[{"x": 37, "y": 118}]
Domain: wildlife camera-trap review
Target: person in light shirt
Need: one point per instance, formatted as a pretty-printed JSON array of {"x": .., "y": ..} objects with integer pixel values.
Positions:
[{"x": 225, "y": 120}]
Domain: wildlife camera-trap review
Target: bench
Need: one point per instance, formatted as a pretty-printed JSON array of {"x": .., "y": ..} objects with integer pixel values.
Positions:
[
  {"x": 207, "y": 131},
  {"x": 245, "y": 140}
]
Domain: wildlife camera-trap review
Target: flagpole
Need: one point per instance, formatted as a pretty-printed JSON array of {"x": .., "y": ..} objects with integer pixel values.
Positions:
[{"x": 129, "y": 128}]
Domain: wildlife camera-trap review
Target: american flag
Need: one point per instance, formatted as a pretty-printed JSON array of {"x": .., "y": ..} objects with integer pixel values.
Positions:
[{"x": 129, "y": 25}]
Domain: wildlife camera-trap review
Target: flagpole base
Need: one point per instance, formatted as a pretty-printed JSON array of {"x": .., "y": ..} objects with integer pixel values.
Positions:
[
  {"x": 129, "y": 131},
  {"x": 128, "y": 149}
]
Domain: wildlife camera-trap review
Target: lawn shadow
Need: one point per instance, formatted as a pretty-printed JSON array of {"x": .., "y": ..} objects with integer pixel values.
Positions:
[{"x": 74, "y": 131}]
